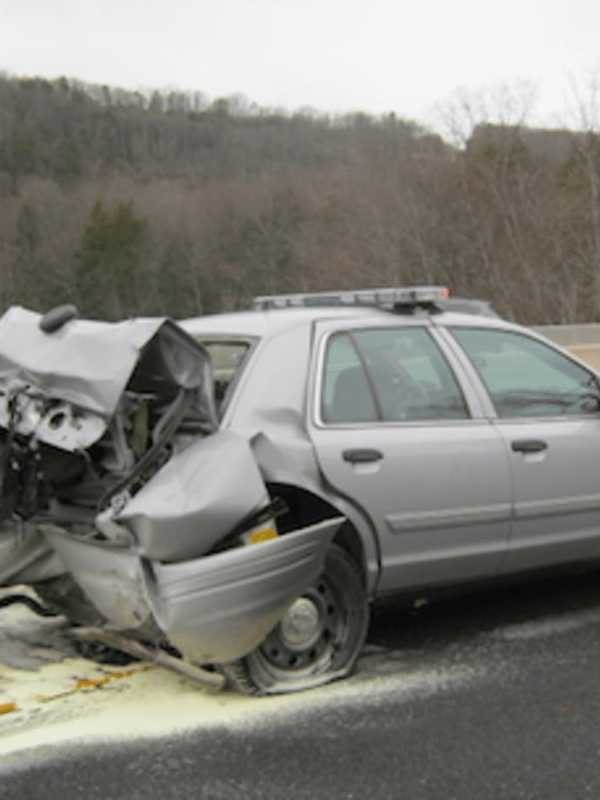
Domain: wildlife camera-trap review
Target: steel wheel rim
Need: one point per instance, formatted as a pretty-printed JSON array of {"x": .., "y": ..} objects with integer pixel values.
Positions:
[{"x": 283, "y": 657}]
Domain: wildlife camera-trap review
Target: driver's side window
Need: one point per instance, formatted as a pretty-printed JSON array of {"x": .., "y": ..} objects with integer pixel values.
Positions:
[{"x": 528, "y": 378}]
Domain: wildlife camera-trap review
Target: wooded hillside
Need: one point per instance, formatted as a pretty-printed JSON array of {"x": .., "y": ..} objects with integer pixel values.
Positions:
[{"x": 125, "y": 203}]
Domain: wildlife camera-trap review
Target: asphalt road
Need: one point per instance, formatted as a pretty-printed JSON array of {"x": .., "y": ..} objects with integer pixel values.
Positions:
[{"x": 493, "y": 695}]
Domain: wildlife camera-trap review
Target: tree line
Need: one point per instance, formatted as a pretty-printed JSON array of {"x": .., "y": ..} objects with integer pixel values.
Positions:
[{"x": 129, "y": 203}]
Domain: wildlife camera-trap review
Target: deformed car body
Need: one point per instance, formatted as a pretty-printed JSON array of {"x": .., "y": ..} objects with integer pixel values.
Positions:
[
  {"x": 241, "y": 486},
  {"x": 114, "y": 471}
]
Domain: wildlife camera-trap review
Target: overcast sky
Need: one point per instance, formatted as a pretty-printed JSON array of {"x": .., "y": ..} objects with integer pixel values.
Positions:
[{"x": 334, "y": 55}]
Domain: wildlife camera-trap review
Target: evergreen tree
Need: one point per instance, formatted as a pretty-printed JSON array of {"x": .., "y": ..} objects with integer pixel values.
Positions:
[{"x": 108, "y": 261}]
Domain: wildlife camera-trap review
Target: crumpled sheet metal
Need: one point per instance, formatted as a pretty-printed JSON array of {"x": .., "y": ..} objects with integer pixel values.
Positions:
[
  {"x": 110, "y": 575},
  {"x": 90, "y": 363},
  {"x": 26, "y": 557},
  {"x": 221, "y": 607},
  {"x": 87, "y": 363},
  {"x": 196, "y": 499},
  {"x": 213, "y": 609}
]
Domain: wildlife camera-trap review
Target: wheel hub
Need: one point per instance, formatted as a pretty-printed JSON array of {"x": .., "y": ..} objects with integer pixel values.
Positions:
[{"x": 301, "y": 626}]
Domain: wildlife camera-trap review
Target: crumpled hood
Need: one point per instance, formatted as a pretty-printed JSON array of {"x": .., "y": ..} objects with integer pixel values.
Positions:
[{"x": 90, "y": 363}]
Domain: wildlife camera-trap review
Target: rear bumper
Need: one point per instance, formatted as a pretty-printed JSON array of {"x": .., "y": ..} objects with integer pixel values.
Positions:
[
  {"x": 213, "y": 609},
  {"x": 110, "y": 575}
]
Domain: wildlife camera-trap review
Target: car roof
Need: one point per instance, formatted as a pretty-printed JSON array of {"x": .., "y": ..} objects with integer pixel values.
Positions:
[
  {"x": 271, "y": 321},
  {"x": 268, "y": 323}
]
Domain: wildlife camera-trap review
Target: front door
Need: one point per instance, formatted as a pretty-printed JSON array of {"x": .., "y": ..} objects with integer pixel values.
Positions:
[
  {"x": 547, "y": 414},
  {"x": 399, "y": 435}
]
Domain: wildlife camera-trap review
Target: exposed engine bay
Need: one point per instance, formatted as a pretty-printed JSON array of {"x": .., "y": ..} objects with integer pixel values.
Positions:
[{"x": 68, "y": 461}]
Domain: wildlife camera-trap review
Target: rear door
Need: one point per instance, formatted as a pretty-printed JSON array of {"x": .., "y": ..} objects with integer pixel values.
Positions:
[
  {"x": 403, "y": 437},
  {"x": 547, "y": 412}
]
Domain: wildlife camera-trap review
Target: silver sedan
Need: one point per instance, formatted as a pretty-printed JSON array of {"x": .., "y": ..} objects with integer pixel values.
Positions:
[{"x": 238, "y": 488}]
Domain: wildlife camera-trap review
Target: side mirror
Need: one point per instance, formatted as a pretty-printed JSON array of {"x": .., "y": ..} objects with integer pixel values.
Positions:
[{"x": 590, "y": 403}]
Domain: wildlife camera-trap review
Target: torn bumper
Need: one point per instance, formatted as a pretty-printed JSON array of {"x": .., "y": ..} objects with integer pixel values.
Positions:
[
  {"x": 213, "y": 609},
  {"x": 110, "y": 575}
]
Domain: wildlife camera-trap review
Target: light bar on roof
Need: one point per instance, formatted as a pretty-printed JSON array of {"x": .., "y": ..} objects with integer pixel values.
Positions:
[{"x": 387, "y": 298}]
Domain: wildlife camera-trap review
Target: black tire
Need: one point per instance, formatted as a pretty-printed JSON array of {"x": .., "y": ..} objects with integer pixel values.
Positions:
[{"x": 338, "y": 607}]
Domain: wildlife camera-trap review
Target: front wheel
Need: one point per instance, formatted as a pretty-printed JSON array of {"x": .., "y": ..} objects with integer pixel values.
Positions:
[{"x": 318, "y": 639}]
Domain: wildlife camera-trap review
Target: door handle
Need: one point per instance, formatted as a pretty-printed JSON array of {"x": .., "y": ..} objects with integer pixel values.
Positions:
[
  {"x": 364, "y": 456},
  {"x": 528, "y": 446}
]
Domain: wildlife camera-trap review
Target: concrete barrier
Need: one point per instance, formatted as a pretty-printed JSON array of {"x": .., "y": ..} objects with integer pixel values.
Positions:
[
  {"x": 581, "y": 340},
  {"x": 567, "y": 335},
  {"x": 590, "y": 353}
]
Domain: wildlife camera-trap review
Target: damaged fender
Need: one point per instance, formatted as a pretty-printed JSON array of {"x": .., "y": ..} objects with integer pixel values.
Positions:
[
  {"x": 109, "y": 574},
  {"x": 213, "y": 609},
  {"x": 221, "y": 607},
  {"x": 113, "y": 464},
  {"x": 196, "y": 499}
]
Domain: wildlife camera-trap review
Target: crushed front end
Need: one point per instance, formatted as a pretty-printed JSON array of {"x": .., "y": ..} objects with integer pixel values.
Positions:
[{"x": 123, "y": 503}]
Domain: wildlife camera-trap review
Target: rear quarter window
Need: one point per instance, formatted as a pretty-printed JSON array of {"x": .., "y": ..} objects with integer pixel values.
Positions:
[{"x": 228, "y": 358}]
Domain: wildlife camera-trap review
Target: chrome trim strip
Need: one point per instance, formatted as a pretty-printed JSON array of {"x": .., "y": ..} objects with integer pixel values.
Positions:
[
  {"x": 555, "y": 506},
  {"x": 448, "y": 518}
]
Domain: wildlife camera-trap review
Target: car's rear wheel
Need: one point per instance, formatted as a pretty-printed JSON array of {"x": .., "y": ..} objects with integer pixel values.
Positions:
[{"x": 318, "y": 639}]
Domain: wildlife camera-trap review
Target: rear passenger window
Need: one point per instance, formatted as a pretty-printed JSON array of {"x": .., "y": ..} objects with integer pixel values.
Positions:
[{"x": 390, "y": 375}]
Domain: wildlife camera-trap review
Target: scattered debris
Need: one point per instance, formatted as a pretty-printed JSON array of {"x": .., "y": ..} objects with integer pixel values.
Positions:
[
  {"x": 212, "y": 680},
  {"x": 87, "y": 684}
]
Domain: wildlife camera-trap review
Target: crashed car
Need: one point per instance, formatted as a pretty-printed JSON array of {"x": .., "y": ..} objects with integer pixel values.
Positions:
[{"x": 239, "y": 487}]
